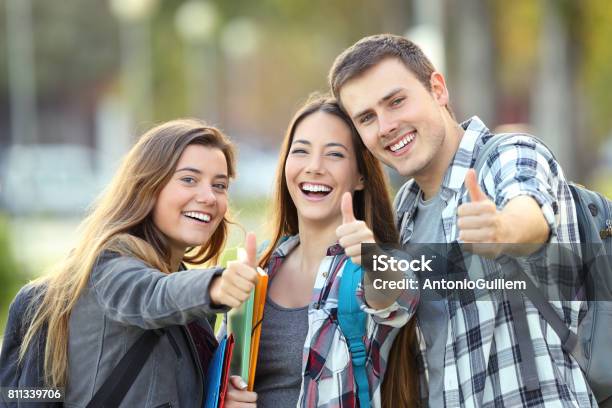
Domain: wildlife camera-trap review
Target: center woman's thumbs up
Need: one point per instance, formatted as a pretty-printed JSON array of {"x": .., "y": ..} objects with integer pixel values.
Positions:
[
  {"x": 238, "y": 280},
  {"x": 353, "y": 232}
]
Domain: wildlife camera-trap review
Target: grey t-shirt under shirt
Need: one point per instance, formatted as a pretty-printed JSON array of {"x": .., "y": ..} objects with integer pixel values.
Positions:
[
  {"x": 432, "y": 314},
  {"x": 278, "y": 377}
]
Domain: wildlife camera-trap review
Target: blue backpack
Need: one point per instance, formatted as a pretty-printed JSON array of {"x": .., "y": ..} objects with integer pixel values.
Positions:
[
  {"x": 592, "y": 345},
  {"x": 352, "y": 322}
]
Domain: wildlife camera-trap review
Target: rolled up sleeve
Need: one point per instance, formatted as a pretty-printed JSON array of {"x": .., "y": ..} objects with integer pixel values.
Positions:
[{"x": 525, "y": 167}]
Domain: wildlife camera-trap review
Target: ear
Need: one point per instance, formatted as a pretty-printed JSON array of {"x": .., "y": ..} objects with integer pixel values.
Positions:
[
  {"x": 360, "y": 183},
  {"x": 438, "y": 88}
]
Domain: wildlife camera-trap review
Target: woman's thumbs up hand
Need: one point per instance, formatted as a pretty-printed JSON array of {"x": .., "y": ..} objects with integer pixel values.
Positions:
[{"x": 238, "y": 280}]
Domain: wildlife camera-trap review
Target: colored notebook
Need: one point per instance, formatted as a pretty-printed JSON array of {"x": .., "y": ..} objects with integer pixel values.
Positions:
[
  {"x": 217, "y": 377},
  {"x": 226, "y": 370},
  {"x": 258, "y": 308},
  {"x": 214, "y": 376},
  {"x": 240, "y": 324},
  {"x": 244, "y": 323}
]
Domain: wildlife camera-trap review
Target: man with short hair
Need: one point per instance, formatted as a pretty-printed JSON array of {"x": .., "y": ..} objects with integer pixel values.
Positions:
[{"x": 400, "y": 105}]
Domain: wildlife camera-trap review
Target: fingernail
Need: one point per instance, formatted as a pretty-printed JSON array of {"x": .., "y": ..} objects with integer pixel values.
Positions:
[
  {"x": 242, "y": 255},
  {"x": 242, "y": 384}
]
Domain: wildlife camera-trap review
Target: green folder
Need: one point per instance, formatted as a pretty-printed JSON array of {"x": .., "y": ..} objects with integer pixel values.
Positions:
[{"x": 240, "y": 323}]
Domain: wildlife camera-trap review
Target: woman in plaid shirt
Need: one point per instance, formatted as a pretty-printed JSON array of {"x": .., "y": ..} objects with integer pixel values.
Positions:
[{"x": 322, "y": 159}]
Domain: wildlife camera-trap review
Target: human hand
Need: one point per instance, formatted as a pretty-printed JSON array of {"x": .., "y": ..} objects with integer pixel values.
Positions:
[
  {"x": 235, "y": 284},
  {"x": 237, "y": 394},
  {"x": 479, "y": 221},
  {"x": 353, "y": 232}
]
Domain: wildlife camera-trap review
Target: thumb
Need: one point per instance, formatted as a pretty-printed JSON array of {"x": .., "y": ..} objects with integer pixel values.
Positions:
[
  {"x": 238, "y": 382},
  {"x": 346, "y": 206},
  {"x": 471, "y": 183},
  {"x": 250, "y": 245}
]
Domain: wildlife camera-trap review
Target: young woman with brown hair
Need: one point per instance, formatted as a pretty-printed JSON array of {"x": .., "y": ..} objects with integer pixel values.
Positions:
[
  {"x": 304, "y": 360},
  {"x": 166, "y": 205}
]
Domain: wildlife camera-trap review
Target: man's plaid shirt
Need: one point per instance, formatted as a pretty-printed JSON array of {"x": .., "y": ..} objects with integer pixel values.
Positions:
[{"x": 482, "y": 361}]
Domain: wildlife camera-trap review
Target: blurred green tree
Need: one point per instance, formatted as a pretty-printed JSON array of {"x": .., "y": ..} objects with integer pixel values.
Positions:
[{"x": 10, "y": 277}]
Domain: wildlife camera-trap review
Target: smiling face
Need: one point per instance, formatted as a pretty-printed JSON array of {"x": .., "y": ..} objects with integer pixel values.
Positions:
[
  {"x": 320, "y": 167},
  {"x": 398, "y": 119},
  {"x": 191, "y": 205}
]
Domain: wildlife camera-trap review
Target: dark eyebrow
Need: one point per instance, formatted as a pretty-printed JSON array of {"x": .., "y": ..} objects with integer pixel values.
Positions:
[
  {"x": 385, "y": 98},
  {"x": 331, "y": 144},
  {"x": 334, "y": 144},
  {"x": 390, "y": 95},
  {"x": 194, "y": 170},
  {"x": 191, "y": 169}
]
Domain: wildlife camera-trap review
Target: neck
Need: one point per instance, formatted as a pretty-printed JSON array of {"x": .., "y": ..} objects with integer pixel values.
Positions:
[
  {"x": 315, "y": 238},
  {"x": 176, "y": 256},
  {"x": 430, "y": 178}
]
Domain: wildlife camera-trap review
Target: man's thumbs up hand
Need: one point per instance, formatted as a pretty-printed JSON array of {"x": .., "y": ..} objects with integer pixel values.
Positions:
[
  {"x": 471, "y": 183},
  {"x": 479, "y": 221},
  {"x": 353, "y": 232}
]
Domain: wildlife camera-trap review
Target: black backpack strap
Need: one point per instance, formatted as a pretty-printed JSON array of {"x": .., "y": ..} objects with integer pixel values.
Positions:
[
  {"x": 118, "y": 383},
  {"x": 569, "y": 339},
  {"x": 521, "y": 329}
]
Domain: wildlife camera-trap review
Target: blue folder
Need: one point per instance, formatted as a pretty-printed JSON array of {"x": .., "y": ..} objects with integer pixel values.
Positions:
[{"x": 212, "y": 385}]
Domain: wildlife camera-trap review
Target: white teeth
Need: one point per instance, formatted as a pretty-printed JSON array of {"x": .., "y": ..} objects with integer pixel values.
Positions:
[
  {"x": 407, "y": 139},
  {"x": 315, "y": 188},
  {"x": 198, "y": 215}
]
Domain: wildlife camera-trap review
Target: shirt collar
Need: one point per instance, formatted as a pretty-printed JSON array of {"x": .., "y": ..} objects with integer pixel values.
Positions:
[
  {"x": 474, "y": 131},
  {"x": 454, "y": 177},
  {"x": 288, "y": 244}
]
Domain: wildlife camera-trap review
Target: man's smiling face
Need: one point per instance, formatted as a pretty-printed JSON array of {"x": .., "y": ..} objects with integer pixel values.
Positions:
[{"x": 398, "y": 119}]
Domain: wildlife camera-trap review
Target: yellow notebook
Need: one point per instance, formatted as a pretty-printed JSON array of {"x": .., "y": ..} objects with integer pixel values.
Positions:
[{"x": 258, "y": 308}]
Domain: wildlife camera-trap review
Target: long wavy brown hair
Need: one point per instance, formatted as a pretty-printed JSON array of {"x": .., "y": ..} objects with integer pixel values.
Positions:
[
  {"x": 121, "y": 221},
  {"x": 373, "y": 205}
]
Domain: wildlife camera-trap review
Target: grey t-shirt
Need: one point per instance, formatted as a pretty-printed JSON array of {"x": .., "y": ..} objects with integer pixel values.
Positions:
[
  {"x": 278, "y": 377},
  {"x": 432, "y": 314}
]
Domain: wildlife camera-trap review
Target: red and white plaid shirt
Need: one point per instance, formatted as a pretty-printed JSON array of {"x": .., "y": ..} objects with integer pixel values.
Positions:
[{"x": 327, "y": 371}]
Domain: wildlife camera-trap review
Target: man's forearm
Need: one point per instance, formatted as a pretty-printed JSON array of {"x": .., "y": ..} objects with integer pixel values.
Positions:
[{"x": 524, "y": 223}]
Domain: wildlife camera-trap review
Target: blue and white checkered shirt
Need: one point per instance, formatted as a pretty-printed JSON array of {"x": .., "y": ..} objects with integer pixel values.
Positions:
[{"x": 482, "y": 361}]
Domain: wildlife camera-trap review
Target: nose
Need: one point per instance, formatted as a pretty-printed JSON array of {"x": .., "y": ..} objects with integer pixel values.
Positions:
[
  {"x": 206, "y": 196},
  {"x": 314, "y": 165},
  {"x": 387, "y": 125}
]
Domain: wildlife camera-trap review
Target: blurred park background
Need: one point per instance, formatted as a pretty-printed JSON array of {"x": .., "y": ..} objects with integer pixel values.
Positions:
[{"x": 81, "y": 79}]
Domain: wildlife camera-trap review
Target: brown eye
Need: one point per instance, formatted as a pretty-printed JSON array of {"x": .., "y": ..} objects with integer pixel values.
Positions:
[
  {"x": 366, "y": 118},
  {"x": 188, "y": 180},
  {"x": 336, "y": 154}
]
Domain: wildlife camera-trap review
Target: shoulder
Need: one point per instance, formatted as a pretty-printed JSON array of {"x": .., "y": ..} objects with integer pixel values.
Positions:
[
  {"x": 522, "y": 144},
  {"x": 508, "y": 153},
  {"x": 26, "y": 295},
  {"x": 109, "y": 260}
]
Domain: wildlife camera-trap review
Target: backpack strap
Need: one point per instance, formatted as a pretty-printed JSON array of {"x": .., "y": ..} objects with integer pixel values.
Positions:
[
  {"x": 118, "y": 383},
  {"x": 569, "y": 340},
  {"x": 528, "y": 368},
  {"x": 352, "y": 322}
]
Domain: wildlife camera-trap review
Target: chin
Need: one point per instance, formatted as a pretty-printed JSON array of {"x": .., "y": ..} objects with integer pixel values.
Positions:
[{"x": 318, "y": 217}]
